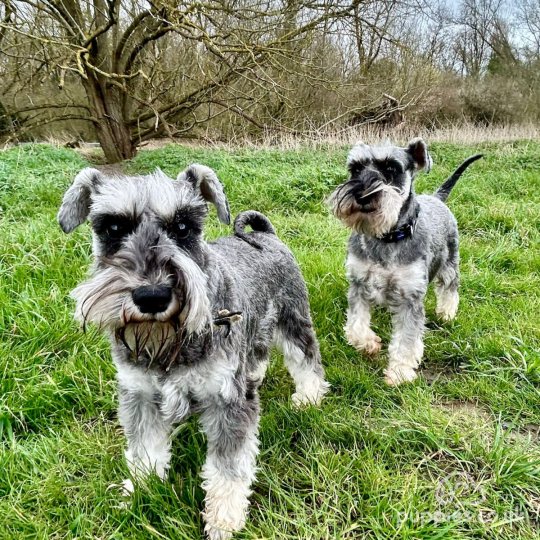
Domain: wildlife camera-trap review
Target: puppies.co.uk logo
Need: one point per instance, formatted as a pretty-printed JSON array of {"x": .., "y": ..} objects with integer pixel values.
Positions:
[
  {"x": 462, "y": 498},
  {"x": 456, "y": 487}
]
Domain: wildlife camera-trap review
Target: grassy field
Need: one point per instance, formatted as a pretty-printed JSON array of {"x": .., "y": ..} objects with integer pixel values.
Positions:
[{"x": 455, "y": 455}]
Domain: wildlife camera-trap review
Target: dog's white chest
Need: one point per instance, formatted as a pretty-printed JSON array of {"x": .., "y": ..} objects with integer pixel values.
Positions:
[
  {"x": 381, "y": 282},
  {"x": 204, "y": 382}
]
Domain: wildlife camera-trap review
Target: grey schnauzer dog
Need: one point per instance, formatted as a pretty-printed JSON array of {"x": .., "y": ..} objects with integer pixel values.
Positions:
[
  {"x": 399, "y": 243},
  {"x": 191, "y": 323}
]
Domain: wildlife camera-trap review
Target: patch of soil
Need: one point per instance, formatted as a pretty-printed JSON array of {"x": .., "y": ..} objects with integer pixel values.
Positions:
[
  {"x": 525, "y": 433},
  {"x": 438, "y": 373},
  {"x": 473, "y": 412},
  {"x": 466, "y": 409}
]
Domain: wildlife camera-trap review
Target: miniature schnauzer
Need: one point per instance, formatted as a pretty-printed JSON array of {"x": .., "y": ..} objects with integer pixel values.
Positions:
[
  {"x": 191, "y": 323},
  {"x": 399, "y": 243}
]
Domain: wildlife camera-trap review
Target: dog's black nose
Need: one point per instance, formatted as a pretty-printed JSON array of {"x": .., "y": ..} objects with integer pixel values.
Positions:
[
  {"x": 152, "y": 298},
  {"x": 365, "y": 187}
]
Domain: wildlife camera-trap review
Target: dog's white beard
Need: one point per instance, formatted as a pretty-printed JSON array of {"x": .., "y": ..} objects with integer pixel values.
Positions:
[
  {"x": 100, "y": 300},
  {"x": 376, "y": 223},
  {"x": 382, "y": 220},
  {"x": 196, "y": 313},
  {"x": 105, "y": 300}
]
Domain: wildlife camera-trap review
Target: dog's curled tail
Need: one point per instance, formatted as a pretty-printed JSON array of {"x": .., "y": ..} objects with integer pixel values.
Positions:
[
  {"x": 443, "y": 192},
  {"x": 257, "y": 221}
]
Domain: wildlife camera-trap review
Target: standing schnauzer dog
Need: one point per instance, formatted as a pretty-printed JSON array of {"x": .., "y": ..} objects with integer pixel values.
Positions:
[
  {"x": 191, "y": 323},
  {"x": 400, "y": 242}
]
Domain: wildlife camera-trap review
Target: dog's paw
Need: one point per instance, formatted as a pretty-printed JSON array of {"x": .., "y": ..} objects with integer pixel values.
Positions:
[
  {"x": 214, "y": 533},
  {"x": 398, "y": 374},
  {"x": 369, "y": 343},
  {"x": 310, "y": 396},
  {"x": 304, "y": 399},
  {"x": 373, "y": 346},
  {"x": 447, "y": 306},
  {"x": 126, "y": 489},
  {"x": 446, "y": 314},
  {"x": 222, "y": 520}
]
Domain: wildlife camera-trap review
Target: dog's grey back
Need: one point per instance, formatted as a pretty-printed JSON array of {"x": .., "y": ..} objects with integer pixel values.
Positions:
[{"x": 267, "y": 275}]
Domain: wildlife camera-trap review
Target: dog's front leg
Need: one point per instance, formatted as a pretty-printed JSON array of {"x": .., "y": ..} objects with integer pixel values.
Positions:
[
  {"x": 357, "y": 329},
  {"x": 406, "y": 347},
  {"x": 146, "y": 429},
  {"x": 229, "y": 470}
]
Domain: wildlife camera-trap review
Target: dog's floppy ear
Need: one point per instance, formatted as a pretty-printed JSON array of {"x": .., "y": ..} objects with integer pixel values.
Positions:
[
  {"x": 77, "y": 199},
  {"x": 204, "y": 179},
  {"x": 418, "y": 150}
]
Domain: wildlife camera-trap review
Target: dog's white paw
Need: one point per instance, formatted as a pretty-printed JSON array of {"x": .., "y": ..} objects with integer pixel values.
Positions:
[
  {"x": 369, "y": 342},
  {"x": 214, "y": 533},
  {"x": 126, "y": 489},
  {"x": 399, "y": 373},
  {"x": 447, "y": 305},
  {"x": 446, "y": 314},
  {"x": 310, "y": 394},
  {"x": 373, "y": 345},
  {"x": 225, "y": 514}
]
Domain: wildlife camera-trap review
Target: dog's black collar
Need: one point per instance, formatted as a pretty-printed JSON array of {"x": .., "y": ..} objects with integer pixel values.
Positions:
[
  {"x": 406, "y": 230},
  {"x": 401, "y": 233}
]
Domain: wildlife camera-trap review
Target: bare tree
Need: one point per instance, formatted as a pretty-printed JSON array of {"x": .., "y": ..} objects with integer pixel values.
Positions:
[
  {"x": 373, "y": 24},
  {"x": 480, "y": 26},
  {"x": 121, "y": 53},
  {"x": 528, "y": 18},
  {"x": 130, "y": 70}
]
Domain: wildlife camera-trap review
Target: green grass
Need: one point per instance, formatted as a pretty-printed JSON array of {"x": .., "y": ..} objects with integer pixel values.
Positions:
[{"x": 453, "y": 455}]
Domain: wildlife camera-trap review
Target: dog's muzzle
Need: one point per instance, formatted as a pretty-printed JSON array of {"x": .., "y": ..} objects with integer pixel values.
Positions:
[
  {"x": 152, "y": 298},
  {"x": 367, "y": 191}
]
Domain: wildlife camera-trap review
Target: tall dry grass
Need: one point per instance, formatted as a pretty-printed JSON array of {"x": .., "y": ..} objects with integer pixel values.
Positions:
[{"x": 464, "y": 133}]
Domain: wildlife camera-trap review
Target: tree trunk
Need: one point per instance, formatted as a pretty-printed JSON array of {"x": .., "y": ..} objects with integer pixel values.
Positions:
[
  {"x": 6, "y": 121},
  {"x": 112, "y": 131}
]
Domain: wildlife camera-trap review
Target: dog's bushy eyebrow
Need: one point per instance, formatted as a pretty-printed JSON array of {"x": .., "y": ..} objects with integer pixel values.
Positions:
[{"x": 356, "y": 166}]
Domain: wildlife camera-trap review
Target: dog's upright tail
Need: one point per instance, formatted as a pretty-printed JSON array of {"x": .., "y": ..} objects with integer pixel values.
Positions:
[
  {"x": 443, "y": 192},
  {"x": 257, "y": 221}
]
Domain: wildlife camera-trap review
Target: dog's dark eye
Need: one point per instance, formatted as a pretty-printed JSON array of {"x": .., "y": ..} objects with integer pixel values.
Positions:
[
  {"x": 117, "y": 229},
  {"x": 390, "y": 168},
  {"x": 356, "y": 168},
  {"x": 182, "y": 230}
]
